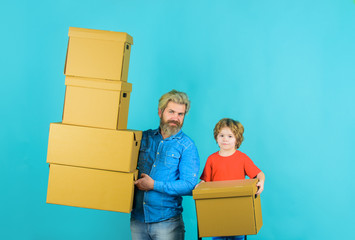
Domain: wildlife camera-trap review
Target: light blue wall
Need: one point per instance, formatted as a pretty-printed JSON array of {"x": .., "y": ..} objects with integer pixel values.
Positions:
[{"x": 285, "y": 69}]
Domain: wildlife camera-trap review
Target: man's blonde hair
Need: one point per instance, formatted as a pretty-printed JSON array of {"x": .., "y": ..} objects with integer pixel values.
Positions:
[
  {"x": 176, "y": 97},
  {"x": 235, "y": 126}
]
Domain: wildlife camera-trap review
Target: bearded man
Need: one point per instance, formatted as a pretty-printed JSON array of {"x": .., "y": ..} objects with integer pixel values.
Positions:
[{"x": 168, "y": 167}]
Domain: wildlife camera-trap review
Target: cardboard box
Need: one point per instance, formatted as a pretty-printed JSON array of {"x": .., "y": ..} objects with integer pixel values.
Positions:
[
  {"x": 228, "y": 208},
  {"x": 91, "y": 188},
  {"x": 105, "y": 149},
  {"x": 96, "y": 103},
  {"x": 98, "y": 54}
]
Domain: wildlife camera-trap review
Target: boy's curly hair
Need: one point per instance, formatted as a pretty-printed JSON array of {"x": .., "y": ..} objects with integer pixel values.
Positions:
[{"x": 235, "y": 126}]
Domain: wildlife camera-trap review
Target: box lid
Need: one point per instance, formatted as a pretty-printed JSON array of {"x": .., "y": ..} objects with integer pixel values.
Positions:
[
  {"x": 220, "y": 189},
  {"x": 100, "y": 34},
  {"x": 98, "y": 83}
]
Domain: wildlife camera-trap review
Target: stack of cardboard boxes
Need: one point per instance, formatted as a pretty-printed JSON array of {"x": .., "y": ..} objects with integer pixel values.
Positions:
[{"x": 92, "y": 156}]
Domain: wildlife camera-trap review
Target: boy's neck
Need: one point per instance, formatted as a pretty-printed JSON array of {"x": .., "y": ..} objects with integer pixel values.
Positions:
[{"x": 226, "y": 153}]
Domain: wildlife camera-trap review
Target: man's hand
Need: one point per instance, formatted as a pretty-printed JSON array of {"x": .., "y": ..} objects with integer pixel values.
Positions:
[{"x": 145, "y": 183}]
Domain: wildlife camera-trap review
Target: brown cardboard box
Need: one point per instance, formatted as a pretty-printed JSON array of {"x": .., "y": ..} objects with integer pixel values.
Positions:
[
  {"x": 96, "y": 103},
  {"x": 115, "y": 150},
  {"x": 98, "y": 54},
  {"x": 91, "y": 188},
  {"x": 228, "y": 208}
]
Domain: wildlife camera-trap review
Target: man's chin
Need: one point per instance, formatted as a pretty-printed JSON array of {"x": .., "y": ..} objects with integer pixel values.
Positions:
[{"x": 171, "y": 130}]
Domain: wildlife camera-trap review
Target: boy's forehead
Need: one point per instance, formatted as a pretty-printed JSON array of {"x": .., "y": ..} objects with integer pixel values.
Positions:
[{"x": 226, "y": 130}]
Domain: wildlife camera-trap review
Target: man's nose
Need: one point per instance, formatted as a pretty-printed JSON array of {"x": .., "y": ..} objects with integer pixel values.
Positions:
[{"x": 175, "y": 116}]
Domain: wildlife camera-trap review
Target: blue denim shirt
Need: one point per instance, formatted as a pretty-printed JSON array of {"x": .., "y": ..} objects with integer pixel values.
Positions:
[{"x": 173, "y": 163}]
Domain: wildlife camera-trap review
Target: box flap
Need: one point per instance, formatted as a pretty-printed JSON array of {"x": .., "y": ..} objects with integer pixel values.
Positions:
[
  {"x": 135, "y": 175},
  {"x": 138, "y": 135},
  {"x": 98, "y": 83},
  {"x": 100, "y": 34},
  {"x": 220, "y": 189}
]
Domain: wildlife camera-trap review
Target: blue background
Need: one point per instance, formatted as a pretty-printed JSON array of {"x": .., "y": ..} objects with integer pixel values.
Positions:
[{"x": 285, "y": 69}]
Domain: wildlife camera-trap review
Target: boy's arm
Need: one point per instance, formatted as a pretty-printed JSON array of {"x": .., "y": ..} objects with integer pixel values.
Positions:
[{"x": 260, "y": 184}]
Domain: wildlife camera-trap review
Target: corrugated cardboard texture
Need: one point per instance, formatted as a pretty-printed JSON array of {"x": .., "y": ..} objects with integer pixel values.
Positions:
[
  {"x": 228, "y": 208},
  {"x": 98, "y": 54},
  {"x": 93, "y": 147},
  {"x": 96, "y": 103},
  {"x": 91, "y": 188}
]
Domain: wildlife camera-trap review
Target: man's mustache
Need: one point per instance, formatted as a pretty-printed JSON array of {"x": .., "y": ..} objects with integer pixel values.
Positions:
[{"x": 175, "y": 122}]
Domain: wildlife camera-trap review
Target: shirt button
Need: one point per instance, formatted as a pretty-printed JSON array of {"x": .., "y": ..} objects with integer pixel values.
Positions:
[
  {"x": 158, "y": 153},
  {"x": 153, "y": 165},
  {"x": 143, "y": 202},
  {"x": 161, "y": 141}
]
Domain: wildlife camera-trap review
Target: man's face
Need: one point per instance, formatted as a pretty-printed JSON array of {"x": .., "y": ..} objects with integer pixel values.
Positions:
[{"x": 172, "y": 118}]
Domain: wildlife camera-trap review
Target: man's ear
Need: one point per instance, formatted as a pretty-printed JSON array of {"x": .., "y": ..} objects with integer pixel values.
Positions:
[{"x": 159, "y": 112}]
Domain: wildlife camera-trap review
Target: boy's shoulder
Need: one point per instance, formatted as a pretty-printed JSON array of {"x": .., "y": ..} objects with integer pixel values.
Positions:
[
  {"x": 213, "y": 155},
  {"x": 242, "y": 155}
]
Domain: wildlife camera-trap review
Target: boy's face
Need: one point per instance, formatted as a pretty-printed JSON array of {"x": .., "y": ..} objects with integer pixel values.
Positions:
[{"x": 226, "y": 139}]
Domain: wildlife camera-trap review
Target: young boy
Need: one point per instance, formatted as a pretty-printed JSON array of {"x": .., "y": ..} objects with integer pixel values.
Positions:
[{"x": 229, "y": 163}]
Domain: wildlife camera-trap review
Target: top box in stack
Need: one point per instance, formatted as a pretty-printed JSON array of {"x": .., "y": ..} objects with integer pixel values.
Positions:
[{"x": 98, "y": 54}]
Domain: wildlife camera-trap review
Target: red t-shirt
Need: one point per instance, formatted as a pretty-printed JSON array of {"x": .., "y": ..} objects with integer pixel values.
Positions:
[{"x": 233, "y": 167}]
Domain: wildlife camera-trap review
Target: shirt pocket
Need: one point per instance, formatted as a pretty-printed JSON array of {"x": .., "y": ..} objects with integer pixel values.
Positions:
[{"x": 172, "y": 159}]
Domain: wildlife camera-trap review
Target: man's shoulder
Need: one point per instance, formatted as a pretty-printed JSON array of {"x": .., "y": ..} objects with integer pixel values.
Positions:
[
  {"x": 149, "y": 132},
  {"x": 185, "y": 140}
]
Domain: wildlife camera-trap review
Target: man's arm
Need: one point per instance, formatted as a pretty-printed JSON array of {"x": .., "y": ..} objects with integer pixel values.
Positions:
[{"x": 188, "y": 170}]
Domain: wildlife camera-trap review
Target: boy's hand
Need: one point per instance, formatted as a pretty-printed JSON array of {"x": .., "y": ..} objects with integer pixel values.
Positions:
[
  {"x": 260, "y": 186},
  {"x": 199, "y": 183},
  {"x": 145, "y": 183}
]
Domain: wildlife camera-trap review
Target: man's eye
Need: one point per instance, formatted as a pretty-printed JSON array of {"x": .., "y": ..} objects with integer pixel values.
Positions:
[{"x": 181, "y": 114}]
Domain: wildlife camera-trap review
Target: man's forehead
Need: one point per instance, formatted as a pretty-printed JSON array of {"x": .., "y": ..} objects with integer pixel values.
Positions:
[{"x": 176, "y": 107}]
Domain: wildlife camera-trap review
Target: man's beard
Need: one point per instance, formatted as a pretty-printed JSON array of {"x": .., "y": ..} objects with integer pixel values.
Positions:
[{"x": 168, "y": 129}]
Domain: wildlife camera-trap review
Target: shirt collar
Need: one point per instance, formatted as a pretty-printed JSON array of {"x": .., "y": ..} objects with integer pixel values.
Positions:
[{"x": 178, "y": 135}]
